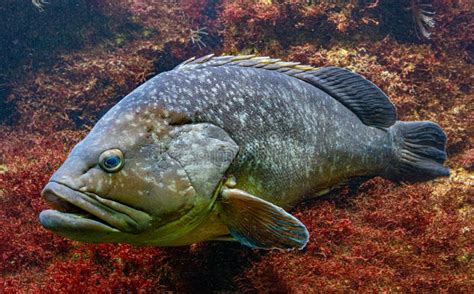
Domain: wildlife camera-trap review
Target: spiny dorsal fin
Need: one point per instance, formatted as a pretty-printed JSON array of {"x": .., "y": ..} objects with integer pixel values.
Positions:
[
  {"x": 355, "y": 92},
  {"x": 263, "y": 62}
]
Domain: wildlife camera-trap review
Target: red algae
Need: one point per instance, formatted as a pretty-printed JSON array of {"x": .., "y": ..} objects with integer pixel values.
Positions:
[
  {"x": 385, "y": 238},
  {"x": 379, "y": 237},
  {"x": 28, "y": 162}
]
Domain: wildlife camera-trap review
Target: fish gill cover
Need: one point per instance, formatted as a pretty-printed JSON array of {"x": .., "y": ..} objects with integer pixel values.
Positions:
[{"x": 65, "y": 63}]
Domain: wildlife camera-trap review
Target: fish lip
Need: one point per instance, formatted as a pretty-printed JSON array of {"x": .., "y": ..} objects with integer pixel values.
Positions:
[
  {"x": 73, "y": 209},
  {"x": 56, "y": 220}
]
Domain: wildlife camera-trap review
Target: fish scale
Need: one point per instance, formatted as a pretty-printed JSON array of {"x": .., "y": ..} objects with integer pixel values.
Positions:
[
  {"x": 297, "y": 112},
  {"x": 221, "y": 147}
]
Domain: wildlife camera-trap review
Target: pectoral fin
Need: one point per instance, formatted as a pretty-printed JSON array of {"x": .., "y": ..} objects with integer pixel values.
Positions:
[{"x": 257, "y": 223}]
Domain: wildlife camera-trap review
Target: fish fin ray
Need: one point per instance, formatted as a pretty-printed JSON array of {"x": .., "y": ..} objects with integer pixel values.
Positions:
[
  {"x": 420, "y": 152},
  {"x": 264, "y": 62},
  {"x": 358, "y": 94},
  {"x": 257, "y": 223}
]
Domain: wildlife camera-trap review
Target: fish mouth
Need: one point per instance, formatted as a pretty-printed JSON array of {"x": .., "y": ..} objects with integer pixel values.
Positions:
[{"x": 77, "y": 211}]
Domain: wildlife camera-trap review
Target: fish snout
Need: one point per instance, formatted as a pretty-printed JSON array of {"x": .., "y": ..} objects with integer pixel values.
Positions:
[
  {"x": 68, "y": 201},
  {"x": 53, "y": 200},
  {"x": 71, "y": 173}
]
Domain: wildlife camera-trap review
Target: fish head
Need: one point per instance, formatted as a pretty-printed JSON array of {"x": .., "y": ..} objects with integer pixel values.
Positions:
[{"x": 138, "y": 180}]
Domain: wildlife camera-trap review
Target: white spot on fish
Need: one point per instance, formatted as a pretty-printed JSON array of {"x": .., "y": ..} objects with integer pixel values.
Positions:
[{"x": 129, "y": 116}]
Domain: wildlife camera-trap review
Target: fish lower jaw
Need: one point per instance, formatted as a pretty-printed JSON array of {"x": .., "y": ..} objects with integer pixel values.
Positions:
[{"x": 60, "y": 221}]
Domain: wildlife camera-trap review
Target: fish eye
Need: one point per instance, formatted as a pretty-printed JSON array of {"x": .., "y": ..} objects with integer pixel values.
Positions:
[{"x": 111, "y": 160}]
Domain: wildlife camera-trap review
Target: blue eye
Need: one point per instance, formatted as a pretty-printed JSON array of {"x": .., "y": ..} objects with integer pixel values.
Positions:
[{"x": 111, "y": 160}]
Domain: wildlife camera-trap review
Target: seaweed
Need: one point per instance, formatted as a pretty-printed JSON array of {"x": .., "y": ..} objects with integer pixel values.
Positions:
[
  {"x": 379, "y": 237},
  {"x": 376, "y": 244}
]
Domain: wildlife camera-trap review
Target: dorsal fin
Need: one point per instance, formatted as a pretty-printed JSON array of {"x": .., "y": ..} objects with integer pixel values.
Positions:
[
  {"x": 355, "y": 92},
  {"x": 264, "y": 62}
]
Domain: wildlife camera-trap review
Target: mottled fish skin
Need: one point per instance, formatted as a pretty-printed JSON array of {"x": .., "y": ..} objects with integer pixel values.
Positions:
[
  {"x": 293, "y": 137},
  {"x": 219, "y": 146}
]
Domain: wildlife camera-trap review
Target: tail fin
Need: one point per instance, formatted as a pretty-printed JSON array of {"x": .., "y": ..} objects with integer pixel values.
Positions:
[{"x": 419, "y": 149}]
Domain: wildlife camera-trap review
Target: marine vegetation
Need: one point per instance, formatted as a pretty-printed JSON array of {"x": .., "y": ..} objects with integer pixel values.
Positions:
[
  {"x": 378, "y": 236},
  {"x": 189, "y": 156}
]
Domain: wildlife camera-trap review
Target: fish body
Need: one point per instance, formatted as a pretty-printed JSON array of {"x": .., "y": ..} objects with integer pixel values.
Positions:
[
  {"x": 293, "y": 138},
  {"x": 221, "y": 147}
]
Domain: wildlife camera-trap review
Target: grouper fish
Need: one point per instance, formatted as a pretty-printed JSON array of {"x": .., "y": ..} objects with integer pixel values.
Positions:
[{"x": 221, "y": 148}]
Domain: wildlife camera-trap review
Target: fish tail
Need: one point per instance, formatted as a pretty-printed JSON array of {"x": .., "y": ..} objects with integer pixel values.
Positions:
[{"x": 420, "y": 151}]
